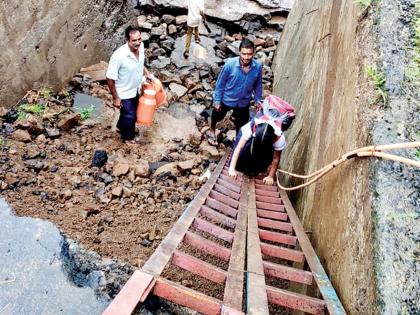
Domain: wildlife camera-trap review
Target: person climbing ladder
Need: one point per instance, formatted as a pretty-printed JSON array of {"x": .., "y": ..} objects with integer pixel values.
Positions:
[{"x": 259, "y": 142}]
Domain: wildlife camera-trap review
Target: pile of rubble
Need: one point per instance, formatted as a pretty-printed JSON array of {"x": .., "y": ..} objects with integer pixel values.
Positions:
[{"x": 61, "y": 159}]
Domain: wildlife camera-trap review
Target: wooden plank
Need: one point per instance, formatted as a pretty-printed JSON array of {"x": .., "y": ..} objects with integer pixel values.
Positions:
[
  {"x": 257, "y": 302},
  {"x": 295, "y": 301},
  {"x": 265, "y": 187},
  {"x": 198, "y": 267},
  {"x": 275, "y": 200},
  {"x": 235, "y": 281},
  {"x": 159, "y": 259},
  {"x": 270, "y": 193},
  {"x": 325, "y": 287},
  {"x": 187, "y": 297}
]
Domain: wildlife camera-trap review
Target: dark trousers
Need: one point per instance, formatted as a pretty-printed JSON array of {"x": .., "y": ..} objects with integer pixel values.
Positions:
[
  {"x": 240, "y": 115},
  {"x": 128, "y": 117}
]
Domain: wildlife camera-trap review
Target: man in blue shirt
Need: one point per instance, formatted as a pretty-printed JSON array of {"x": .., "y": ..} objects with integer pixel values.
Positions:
[{"x": 239, "y": 81}]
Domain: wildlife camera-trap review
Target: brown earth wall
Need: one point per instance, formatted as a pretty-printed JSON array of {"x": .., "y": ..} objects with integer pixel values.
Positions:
[
  {"x": 318, "y": 69},
  {"x": 46, "y": 42}
]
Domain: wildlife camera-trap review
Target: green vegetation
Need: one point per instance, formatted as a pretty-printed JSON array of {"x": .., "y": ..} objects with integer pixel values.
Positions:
[
  {"x": 46, "y": 92},
  {"x": 418, "y": 153},
  {"x": 85, "y": 112},
  {"x": 363, "y": 3},
  {"x": 413, "y": 70},
  {"x": 378, "y": 79},
  {"x": 25, "y": 109}
]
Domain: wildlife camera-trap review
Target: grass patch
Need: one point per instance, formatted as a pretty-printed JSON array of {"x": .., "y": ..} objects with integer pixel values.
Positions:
[
  {"x": 363, "y": 3},
  {"x": 46, "y": 92},
  {"x": 25, "y": 109},
  {"x": 85, "y": 112},
  {"x": 378, "y": 79}
]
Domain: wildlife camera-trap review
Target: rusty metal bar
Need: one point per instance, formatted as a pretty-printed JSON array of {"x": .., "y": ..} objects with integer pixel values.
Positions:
[
  {"x": 230, "y": 180},
  {"x": 328, "y": 293},
  {"x": 225, "y": 199},
  {"x": 268, "y": 199},
  {"x": 269, "y": 193},
  {"x": 135, "y": 290},
  {"x": 217, "y": 217},
  {"x": 235, "y": 280},
  {"x": 272, "y": 215},
  {"x": 269, "y": 206},
  {"x": 207, "y": 246},
  {"x": 226, "y": 191},
  {"x": 229, "y": 185},
  {"x": 199, "y": 267},
  {"x": 273, "y": 224},
  {"x": 187, "y": 297},
  {"x": 265, "y": 187},
  {"x": 287, "y": 273},
  {"x": 257, "y": 302},
  {"x": 212, "y": 229},
  {"x": 282, "y": 252},
  {"x": 277, "y": 237},
  {"x": 295, "y": 301},
  {"x": 220, "y": 206}
]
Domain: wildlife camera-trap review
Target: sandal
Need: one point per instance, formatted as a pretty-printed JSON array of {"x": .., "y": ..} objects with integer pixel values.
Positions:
[{"x": 211, "y": 138}]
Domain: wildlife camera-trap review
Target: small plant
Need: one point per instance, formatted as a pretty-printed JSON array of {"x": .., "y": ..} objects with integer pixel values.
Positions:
[
  {"x": 46, "y": 92},
  {"x": 378, "y": 79},
  {"x": 85, "y": 112},
  {"x": 418, "y": 154},
  {"x": 37, "y": 109},
  {"x": 363, "y": 3}
]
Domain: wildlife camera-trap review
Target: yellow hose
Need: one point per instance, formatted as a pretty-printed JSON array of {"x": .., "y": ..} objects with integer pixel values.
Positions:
[{"x": 370, "y": 151}]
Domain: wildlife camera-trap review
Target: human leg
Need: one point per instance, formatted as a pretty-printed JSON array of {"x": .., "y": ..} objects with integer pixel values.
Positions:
[
  {"x": 241, "y": 116},
  {"x": 196, "y": 34},
  {"x": 216, "y": 116},
  {"x": 188, "y": 41},
  {"x": 127, "y": 120}
]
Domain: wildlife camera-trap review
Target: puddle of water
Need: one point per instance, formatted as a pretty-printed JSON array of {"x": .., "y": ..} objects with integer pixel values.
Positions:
[
  {"x": 84, "y": 102},
  {"x": 32, "y": 277}
]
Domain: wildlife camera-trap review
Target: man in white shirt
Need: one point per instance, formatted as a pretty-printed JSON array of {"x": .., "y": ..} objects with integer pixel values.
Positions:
[
  {"x": 124, "y": 75},
  {"x": 195, "y": 14}
]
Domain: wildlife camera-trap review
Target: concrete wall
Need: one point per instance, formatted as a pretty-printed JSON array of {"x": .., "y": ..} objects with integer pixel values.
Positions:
[
  {"x": 320, "y": 69},
  {"x": 317, "y": 72},
  {"x": 45, "y": 42}
]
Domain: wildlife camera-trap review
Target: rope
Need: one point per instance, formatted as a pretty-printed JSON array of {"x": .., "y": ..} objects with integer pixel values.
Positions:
[{"x": 370, "y": 151}]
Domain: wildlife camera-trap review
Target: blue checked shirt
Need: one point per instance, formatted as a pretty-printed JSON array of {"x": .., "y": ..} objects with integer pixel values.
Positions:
[{"x": 235, "y": 88}]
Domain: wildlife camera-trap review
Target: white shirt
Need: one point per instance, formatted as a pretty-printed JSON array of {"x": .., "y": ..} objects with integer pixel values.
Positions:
[
  {"x": 126, "y": 71},
  {"x": 278, "y": 145},
  {"x": 194, "y": 8}
]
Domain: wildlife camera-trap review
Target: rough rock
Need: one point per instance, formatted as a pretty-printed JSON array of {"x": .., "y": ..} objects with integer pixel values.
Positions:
[
  {"x": 117, "y": 191},
  {"x": 21, "y": 136},
  {"x": 178, "y": 89},
  {"x": 141, "y": 168},
  {"x": 3, "y": 111},
  {"x": 69, "y": 121},
  {"x": 181, "y": 19},
  {"x": 52, "y": 133},
  {"x": 120, "y": 169},
  {"x": 186, "y": 165},
  {"x": 167, "y": 168}
]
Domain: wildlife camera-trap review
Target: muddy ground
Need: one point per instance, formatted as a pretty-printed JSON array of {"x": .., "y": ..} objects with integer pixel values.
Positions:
[{"x": 68, "y": 165}]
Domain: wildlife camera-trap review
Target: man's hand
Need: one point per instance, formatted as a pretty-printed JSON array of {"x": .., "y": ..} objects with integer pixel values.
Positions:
[
  {"x": 217, "y": 107},
  {"x": 233, "y": 173},
  {"x": 117, "y": 102},
  {"x": 268, "y": 180}
]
